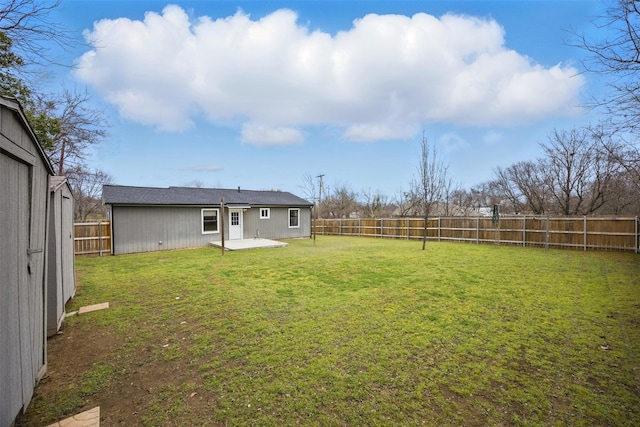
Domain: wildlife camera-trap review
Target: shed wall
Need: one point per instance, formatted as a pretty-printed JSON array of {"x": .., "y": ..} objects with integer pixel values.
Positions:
[
  {"x": 24, "y": 179},
  {"x": 60, "y": 257}
]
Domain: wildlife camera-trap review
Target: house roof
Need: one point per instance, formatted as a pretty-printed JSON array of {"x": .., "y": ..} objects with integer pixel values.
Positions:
[{"x": 125, "y": 195}]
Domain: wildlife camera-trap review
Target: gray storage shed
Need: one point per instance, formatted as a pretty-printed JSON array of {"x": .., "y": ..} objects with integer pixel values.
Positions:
[
  {"x": 24, "y": 195},
  {"x": 61, "y": 286},
  {"x": 147, "y": 219}
]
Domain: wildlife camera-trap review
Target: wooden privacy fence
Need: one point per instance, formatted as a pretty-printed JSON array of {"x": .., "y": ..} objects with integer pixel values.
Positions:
[
  {"x": 604, "y": 233},
  {"x": 92, "y": 238}
]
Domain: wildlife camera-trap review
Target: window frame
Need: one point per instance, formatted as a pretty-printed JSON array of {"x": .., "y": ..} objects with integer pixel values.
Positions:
[
  {"x": 268, "y": 213},
  {"x": 297, "y": 216},
  {"x": 217, "y": 211}
]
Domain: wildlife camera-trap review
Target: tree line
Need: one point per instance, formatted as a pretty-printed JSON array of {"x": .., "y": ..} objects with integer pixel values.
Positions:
[{"x": 582, "y": 171}]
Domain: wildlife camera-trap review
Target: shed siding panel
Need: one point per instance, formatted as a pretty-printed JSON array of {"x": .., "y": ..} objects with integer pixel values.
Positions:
[
  {"x": 12, "y": 129},
  {"x": 60, "y": 258},
  {"x": 54, "y": 276},
  {"x": 34, "y": 314},
  {"x": 13, "y": 270},
  {"x": 67, "y": 247},
  {"x": 141, "y": 229}
]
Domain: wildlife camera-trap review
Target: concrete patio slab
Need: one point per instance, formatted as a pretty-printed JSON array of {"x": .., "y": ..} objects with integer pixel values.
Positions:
[
  {"x": 244, "y": 244},
  {"x": 90, "y": 418}
]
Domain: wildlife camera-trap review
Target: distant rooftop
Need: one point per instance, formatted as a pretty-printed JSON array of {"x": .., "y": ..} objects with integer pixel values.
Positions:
[{"x": 126, "y": 195}]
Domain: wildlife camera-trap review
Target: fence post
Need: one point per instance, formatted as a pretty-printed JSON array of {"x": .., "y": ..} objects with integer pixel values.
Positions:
[
  {"x": 524, "y": 231},
  {"x": 100, "y": 237},
  {"x": 585, "y": 233},
  {"x": 438, "y": 229},
  {"x": 546, "y": 241},
  {"x": 637, "y": 239},
  {"x": 477, "y": 230}
]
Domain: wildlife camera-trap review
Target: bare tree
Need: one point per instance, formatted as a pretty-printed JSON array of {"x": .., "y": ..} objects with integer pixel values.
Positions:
[
  {"x": 626, "y": 155},
  {"x": 373, "y": 203},
  {"x": 450, "y": 208},
  {"x": 625, "y": 197},
  {"x": 617, "y": 56},
  {"x": 524, "y": 186},
  {"x": 29, "y": 24},
  {"x": 480, "y": 196},
  {"x": 581, "y": 173},
  {"x": 579, "y": 170},
  {"x": 309, "y": 188},
  {"x": 510, "y": 193},
  {"x": 86, "y": 187},
  {"x": 79, "y": 126},
  {"x": 340, "y": 203},
  {"x": 430, "y": 184},
  {"x": 406, "y": 202}
]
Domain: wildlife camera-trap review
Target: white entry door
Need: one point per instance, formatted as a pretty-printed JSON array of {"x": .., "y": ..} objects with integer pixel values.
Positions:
[{"x": 235, "y": 224}]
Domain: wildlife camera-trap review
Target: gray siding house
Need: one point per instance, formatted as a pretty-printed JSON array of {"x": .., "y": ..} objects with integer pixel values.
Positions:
[
  {"x": 147, "y": 219},
  {"x": 24, "y": 196}
]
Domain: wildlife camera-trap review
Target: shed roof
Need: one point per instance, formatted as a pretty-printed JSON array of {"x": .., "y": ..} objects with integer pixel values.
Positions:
[
  {"x": 126, "y": 195},
  {"x": 56, "y": 182},
  {"x": 12, "y": 104}
]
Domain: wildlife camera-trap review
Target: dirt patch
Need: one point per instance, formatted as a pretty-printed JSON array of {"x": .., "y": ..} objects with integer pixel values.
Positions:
[
  {"x": 70, "y": 354},
  {"x": 141, "y": 381}
]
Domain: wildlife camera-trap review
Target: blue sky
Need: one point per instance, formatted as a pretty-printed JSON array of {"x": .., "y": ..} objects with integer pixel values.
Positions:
[{"x": 259, "y": 94}]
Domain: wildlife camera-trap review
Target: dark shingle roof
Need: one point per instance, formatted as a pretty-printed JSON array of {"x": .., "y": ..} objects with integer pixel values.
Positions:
[{"x": 125, "y": 195}]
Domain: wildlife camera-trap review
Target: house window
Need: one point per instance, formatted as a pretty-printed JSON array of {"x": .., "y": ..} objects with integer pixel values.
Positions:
[
  {"x": 294, "y": 218},
  {"x": 235, "y": 218},
  {"x": 209, "y": 221},
  {"x": 265, "y": 213}
]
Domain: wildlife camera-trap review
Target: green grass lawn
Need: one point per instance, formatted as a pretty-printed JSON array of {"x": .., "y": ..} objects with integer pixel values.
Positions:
[{"x": 355, "y": 331}]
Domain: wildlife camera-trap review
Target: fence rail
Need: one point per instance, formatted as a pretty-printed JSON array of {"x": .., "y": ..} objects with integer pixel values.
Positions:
[
  {"x": 601, "y": 233},
  {"x": 92, "y": 238}
]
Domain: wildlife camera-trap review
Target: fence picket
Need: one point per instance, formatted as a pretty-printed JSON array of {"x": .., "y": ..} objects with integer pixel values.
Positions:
[{"x": 92, "y": 238}]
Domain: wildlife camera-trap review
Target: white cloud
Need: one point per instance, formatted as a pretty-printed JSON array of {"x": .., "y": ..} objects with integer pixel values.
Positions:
[
  {"x": 379, "y": 131},
  {"x": 263, "y": 135},
  {"x": 380, "y": 79}
]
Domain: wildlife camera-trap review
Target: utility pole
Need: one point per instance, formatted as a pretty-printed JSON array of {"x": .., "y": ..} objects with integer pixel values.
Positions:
[
  {"x": 317, "y": 208},
  {"x": 222, "y": 224},
  {"x": 320, "y": 194}
]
